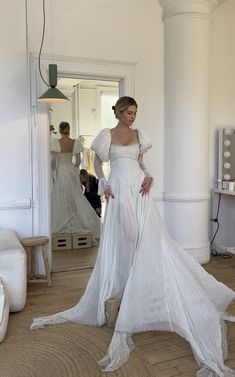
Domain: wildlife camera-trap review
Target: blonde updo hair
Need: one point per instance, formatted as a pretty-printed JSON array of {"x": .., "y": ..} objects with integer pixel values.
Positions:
[{"x": 122, "y": 104}]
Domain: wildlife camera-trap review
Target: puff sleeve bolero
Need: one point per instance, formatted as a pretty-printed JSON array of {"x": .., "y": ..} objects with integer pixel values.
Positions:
[
  {"x": 101, "y": 144},
  {"x": 145, "y": 143},
  {"x": 55, "y": 145},
  {"x": 77, "y": 147}
]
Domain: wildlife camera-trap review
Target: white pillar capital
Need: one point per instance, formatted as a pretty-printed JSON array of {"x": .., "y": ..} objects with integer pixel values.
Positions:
[{"x": 196, "y": 8}]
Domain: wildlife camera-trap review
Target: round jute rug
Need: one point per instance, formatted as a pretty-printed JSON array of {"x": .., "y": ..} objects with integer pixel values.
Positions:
[{"x": 67, "y": 350}]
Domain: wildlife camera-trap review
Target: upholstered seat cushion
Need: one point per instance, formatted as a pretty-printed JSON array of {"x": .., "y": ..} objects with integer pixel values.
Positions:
[
  {"x": 13, "y": 269},
  {"x": 4, "y": 311}
]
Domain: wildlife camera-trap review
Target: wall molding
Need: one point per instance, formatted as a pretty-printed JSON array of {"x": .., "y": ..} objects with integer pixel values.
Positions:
[
  {"x": 68, "y": 66},
  {"x": 185, "y": 197},
  {"x": 86, "y": 68},
  {"x": 15, "y": 203},
  {"x": 197, "y": 246},
  {"x": 158, "y": 197},
  {"x": 192, "y": 8}
]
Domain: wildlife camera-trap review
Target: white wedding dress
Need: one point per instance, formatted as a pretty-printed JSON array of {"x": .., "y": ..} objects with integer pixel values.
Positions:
[
  {"x": 71, "y": 211},
  {"x": 161, "y": 286}
]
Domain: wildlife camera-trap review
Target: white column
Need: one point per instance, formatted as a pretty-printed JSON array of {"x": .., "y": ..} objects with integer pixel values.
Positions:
[{"x": 187, "y": 75}]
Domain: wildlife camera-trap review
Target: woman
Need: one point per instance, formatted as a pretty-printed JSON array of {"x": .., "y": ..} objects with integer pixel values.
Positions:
[
  {"x": 91, "y": 184},
  {"x": 161, "y": 287},
  {"x": 71, "y": 211}
]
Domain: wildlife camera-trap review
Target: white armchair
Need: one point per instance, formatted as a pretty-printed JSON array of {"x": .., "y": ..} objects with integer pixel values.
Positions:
[
  {"x": 4, "y": 311},
  {"x": 13, "y": 277},
  {"x": 13, "y": 269}
]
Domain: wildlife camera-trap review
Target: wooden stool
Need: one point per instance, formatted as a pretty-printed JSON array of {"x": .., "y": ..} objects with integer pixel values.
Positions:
[
  {"x": 112, "y": 306},
  {"x": 30, "y": 245}
]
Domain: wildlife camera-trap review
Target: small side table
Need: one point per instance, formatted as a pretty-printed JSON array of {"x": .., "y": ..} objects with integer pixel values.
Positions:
[{"x": 30, "y": 245}]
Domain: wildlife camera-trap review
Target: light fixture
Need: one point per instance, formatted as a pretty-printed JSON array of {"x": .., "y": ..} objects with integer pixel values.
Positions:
[
  {"x": 227, "y": 142},
  {"x": 227, "y": 154},
  {"x": 227, "y": 176},
  {"x": 53, "y": 94},
  {"x": 227, "y": 165}
]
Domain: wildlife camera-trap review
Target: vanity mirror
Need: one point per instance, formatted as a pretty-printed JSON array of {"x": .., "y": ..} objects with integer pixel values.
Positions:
[{"x": 226, "y": 159}]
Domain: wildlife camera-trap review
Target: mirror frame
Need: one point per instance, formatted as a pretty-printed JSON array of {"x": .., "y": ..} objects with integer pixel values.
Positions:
[
  {"x": 223, "y": 182},
  {"x": 73, "y": 67}
]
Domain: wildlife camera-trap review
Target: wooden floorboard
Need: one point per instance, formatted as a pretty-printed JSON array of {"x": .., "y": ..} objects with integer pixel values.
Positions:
[{"x": 166, "y": 353}]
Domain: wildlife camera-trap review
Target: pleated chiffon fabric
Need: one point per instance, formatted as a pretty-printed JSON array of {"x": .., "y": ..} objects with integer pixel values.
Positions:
[
  {"x": 160, "y": 285},
  {"x": 71, "y": 211}
]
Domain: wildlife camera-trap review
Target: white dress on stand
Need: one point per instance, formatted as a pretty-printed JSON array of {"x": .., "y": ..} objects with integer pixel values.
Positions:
[
  {"x": 71, "y": 211},
  {"x": 161, "y": 286}
]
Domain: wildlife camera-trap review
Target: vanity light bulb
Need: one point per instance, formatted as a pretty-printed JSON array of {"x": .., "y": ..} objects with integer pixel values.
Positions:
[
  {"x": 227, "y": 165},
  {"x": 227, "y": 154},
  {"x": 227, "y": 143},
  {"x": 226, "y": 177},
  {"x": 227, "y": 131}
]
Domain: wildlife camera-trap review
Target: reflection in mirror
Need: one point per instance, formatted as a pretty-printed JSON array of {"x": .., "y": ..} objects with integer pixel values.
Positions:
[
  {"x": 226, "y": 170},
  {"x": 75, "y": 205}
]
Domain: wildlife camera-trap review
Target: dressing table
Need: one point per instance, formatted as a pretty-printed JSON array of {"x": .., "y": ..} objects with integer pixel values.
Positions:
[{"x": 223, "y": 203}]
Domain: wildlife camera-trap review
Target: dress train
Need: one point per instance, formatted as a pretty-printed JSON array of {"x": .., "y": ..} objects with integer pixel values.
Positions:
[{"x": 160, "y": 285}]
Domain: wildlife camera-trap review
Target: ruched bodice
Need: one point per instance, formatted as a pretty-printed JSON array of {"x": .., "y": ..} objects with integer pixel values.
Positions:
[
  {"x": 66, "y": 157},
  {"x": 124, "y": 163}
]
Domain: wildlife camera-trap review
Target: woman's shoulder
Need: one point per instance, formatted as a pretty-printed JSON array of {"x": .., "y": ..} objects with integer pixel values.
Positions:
[
  {"x": 55, "y": 144},
  {"x": 77, "y": 146},
  {"x": 144, "y": 141},
  {"x": 105, "y": 132},
  {"x": 101, "y": 144}
]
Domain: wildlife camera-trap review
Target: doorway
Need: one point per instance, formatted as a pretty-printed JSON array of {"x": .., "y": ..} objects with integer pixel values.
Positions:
[
  {"x": 71, "y": 68},
  {"x": 88, "y": 111}
]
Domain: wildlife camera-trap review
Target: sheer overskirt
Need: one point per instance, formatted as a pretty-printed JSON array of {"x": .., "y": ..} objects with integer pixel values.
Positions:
[
  {"x": 161, "y": 286},
  {"x": 71, "y": 211}
]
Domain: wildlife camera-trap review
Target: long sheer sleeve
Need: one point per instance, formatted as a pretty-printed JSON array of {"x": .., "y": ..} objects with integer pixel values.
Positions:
[
  {"x": 98, "y": 167},
  {"x": 54, "y": 156},
  {"x": 142, "y": 166},
  {"x": 77, "y": 159}
]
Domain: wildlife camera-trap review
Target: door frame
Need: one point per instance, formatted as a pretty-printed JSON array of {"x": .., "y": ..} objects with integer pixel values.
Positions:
[{"x": 72, "y": 67}]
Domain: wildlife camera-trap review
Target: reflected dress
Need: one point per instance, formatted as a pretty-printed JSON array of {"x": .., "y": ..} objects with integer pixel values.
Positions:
[
  {"x": 160, "y": 285},
  {"x": 71, "y": 211}
]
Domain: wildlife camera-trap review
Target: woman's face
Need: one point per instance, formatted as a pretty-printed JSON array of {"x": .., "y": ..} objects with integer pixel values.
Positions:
[{"x": 128, "y": 116}]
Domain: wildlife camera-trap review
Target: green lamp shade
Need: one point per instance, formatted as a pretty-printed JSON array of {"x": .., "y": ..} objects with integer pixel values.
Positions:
[{"x": 53, "y": 94}]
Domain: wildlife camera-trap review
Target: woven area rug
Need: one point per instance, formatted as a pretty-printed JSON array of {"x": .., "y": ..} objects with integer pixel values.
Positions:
[{"x": 67, "y": 350}]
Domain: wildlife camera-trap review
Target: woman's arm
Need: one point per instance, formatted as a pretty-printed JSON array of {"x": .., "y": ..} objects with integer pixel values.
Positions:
[
  {"x": 54, "y": 156},
  {"x": 103, "y": 186},
  {"x": 77, "y": 159},
  {"x": 147, "y": 182}
]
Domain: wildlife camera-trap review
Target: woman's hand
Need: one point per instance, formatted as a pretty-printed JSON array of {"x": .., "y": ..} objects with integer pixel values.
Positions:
[
  {"x": 108, "y": 193},
  {"x": 146, "y": 184}
]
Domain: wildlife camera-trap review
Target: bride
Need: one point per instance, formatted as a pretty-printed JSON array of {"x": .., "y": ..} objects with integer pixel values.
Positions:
[
  {"x": 160, "y": 285},
  {"x": 71, "y": 211}
]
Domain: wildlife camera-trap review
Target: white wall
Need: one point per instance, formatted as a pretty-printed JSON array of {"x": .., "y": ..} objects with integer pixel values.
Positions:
[
  {"x": 15, "y": 168},
  {"x": 223, "y": 105},
  {"x": 129, "y": 31}
]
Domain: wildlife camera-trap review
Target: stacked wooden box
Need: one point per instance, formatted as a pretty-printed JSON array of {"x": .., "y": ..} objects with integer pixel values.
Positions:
[{"x": 72, "y": 241}]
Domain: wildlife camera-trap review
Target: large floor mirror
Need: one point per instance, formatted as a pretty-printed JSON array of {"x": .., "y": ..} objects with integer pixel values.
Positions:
[{"x": 73, "y": 126}]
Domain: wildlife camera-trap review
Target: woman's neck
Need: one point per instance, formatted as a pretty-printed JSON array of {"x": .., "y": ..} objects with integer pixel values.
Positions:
[{"x": 122, "y": 127}]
